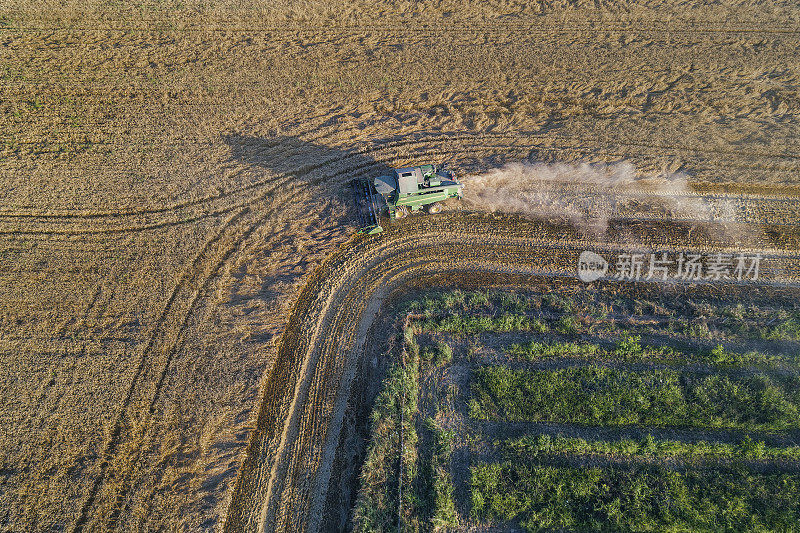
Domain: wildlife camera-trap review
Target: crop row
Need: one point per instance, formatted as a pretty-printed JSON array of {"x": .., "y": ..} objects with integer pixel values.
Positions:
[
  {"x": 614, "y": 397},
  {"x": 393, "y": 438},
  {"x": 629, "y": 349},
  {"x": 634, "y": 498},
  {"x": 530, "y": 445},
  {"x": 284, "y": 480},
  {"x": 402, "y": 488},
  {"x": 454, "y": 310}
]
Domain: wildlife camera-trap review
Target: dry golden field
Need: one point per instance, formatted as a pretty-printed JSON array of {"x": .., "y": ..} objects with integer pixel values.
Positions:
[{"x": 171, "y": 176}]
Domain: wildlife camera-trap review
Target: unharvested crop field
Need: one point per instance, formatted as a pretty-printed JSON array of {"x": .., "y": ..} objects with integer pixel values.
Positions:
[{"x": 184, "y": 310}]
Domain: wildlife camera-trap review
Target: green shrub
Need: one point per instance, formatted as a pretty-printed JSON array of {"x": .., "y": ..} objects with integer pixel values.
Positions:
[
  {"x": 538, "y": 326},
  {"x": 558, "y": 303},
  {"x": 629, "y": 346},
  {"x": 568, "y": 325},
  {"x": 478, "y": 299},
  {"x": 444, "y": 354},
  {"x": 753, "y": 449},
  {"x": 511, "y": 302},
  {"x": 698, "y": 331},
  {"x": 454, "y": 299},
  {"x": 787, "y": 329},
  {"x": 718, "y": 354}
]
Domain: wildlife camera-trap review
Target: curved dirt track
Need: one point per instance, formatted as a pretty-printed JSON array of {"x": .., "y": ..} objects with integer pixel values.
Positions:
[{"x": 283, "y": 483}]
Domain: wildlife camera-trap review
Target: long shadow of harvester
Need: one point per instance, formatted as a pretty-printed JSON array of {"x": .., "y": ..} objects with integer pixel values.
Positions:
[
  {"x": 324, "y": 171},
  {"x": 309, "y": 163}
]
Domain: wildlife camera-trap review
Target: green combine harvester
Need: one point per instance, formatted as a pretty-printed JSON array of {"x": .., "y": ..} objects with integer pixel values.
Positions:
[{"x": 405, "y": 191}]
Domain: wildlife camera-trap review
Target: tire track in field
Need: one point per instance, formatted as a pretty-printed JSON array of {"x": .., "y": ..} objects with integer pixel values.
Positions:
[
  {"x": 293, "y": 424},
  {"x": 165, "y": 340},
  {"x": 527, "y": 138},
  {"x": 160, "y": 329},
  {"x": 117, "y": 509},
  {"x": 270, "y": 186},
  {"x": 568, "y": 141},
  {"x": 599, "y": 25},
  {"x": 61, "y": 331}
]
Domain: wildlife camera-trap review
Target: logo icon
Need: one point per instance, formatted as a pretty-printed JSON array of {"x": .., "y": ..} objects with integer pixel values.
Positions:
[{"x": 591, "y": 266}]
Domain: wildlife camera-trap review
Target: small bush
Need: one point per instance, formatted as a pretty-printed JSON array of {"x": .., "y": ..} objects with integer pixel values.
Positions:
[
  {"x": 698, "y": 330},
  {"x": 478, "y": 299},
  {"x": 454, "y": 299},
  {"x": 538, "y": 326},
  {"x": 568, "y": 325},
  {"x": 629, "y": 346},
  {"x": 752, "y": 449},
  {"x": 444, "y": 354},
  {"x": 788, "y": 329},
  {"x": 557, "y": 303}
]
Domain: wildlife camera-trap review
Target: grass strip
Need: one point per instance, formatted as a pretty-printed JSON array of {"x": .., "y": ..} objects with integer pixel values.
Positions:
[
  {"x": 376, "y": 508},
  {"x": 437, "y": 479},
  {"x": 464, "y": 324},
  {"x": 646, "y": 498},
  {"x": 460, "y": 300},
  {"x": 536, "y": 445},
  {"x": 614, "y": 397},
  {"x": 629, "y": 349},
  {"x": 536, "y": 350}
]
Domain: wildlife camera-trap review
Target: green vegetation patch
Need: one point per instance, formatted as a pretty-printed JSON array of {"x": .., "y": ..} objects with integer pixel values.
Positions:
[
  {"x": 436, "y": 478},
  {"x": 393, "y": 443},
  {"x": 542, "y": 350},
  {"x": 478, "y": 324},
  {"x": 441, "y": 355},
  {"x": 658, "y": 397},
  {"x": 471, "y": 301},
  {"x": 643, "y": 498},
  {"x": 786, "y": 329},
  {"x": 537, "y": 445},
  {"x": 629, "y": 349}
]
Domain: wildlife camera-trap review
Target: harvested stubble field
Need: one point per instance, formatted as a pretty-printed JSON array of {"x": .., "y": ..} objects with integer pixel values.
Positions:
[{"x": 172, "y": 175}]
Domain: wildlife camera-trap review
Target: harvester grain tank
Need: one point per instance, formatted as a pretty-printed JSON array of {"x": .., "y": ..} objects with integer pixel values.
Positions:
[{"x": 404, "y": 191}]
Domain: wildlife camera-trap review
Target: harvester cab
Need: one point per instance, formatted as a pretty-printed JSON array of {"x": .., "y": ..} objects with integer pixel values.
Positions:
[{"x": 404, "y": 191}]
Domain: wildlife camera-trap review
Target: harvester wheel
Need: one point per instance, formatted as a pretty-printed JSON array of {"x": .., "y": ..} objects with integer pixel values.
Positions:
[
  {"x": 435, "y": 208},
  {"x": 401, "y": 212}
]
